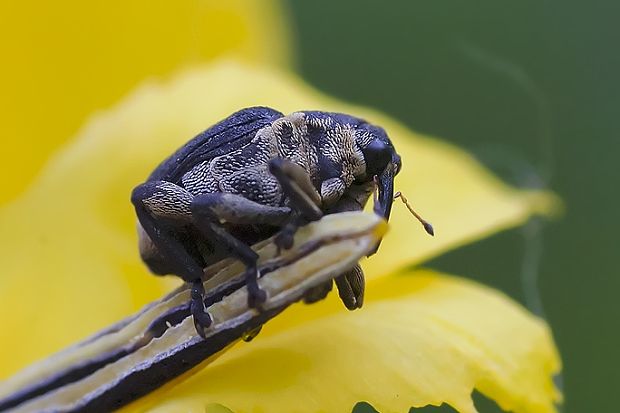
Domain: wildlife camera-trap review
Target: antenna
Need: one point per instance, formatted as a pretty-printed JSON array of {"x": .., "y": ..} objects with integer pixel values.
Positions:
[{"x": 427, "y": 226}]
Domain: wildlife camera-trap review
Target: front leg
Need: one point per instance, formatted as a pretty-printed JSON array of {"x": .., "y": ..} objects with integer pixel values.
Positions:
[
  {"x": 304, "y": 198},
  {"x": 296, "y": 184},
  {"x": 351, "y": 285}
]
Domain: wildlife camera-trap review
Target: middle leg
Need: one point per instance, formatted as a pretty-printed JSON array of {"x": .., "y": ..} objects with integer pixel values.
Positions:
[{"x": 209, "y": 211}]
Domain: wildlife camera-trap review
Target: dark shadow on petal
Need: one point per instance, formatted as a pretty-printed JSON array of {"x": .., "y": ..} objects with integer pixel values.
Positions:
[
  {"x": 444, "y": 408},
  {"x": 484, "y": 404},
  {"x": 364, "y": 407}
]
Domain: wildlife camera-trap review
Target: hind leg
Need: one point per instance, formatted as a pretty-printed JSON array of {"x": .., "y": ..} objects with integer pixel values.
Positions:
[{"x": 162, "y": 208}]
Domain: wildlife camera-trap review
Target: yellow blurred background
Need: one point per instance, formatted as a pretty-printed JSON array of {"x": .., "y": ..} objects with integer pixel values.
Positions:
[{"x": 65, "y": 59}]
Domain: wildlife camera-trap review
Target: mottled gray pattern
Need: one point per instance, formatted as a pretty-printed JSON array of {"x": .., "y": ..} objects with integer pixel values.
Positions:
[
  {"x": 198, "y": 181},
  {"x": 342, "y": 148},
  {"x": 245, "y": 170},
  {"x": 170, "y": 201},
  {"x": 255, "y": 184},
  {"x": 363, "y": 138},
  {"x": 296, "y": 146}
]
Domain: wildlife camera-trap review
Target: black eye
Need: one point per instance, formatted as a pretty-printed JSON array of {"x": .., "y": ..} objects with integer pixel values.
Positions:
[{"x": 377, "y": 155}]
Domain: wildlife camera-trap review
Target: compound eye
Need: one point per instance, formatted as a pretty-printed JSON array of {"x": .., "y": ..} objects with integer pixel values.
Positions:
[{"x": 377, "y": 155}]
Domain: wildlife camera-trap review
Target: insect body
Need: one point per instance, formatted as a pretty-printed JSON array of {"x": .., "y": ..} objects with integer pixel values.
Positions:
[{"x": 255, "y": 174}]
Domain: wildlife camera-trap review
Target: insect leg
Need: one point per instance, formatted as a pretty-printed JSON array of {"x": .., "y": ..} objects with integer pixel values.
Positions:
[
  {"x": 162, "y": 208},
  {"x": 318, "y": 293},
  {"x": 351, "y": 286},
  {"x": 236, "y": 209},
  {"x": 305, "y": 199},
  {"x": 206, "y": 219},
  {"x": 201, "y": 317},
  {"x": 158, "y": 206},
  {"x": 296, "y": 184}
]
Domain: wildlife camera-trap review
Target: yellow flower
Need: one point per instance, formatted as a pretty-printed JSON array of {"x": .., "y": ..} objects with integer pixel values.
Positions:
[
  {"x": 68, "y": 242},
  {"x": 69, "y": 254},
  {"x": 64, "y": 59}
]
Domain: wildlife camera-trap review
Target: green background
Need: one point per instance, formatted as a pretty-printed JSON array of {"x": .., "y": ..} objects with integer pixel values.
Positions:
[{"x": 531, "y": 89}]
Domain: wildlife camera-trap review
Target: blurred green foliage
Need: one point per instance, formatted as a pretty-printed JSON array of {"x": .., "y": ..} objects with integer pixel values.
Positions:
[{"x": 531, "y": 88}]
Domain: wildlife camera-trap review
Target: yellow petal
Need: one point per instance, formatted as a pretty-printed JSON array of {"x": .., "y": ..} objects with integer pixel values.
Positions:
[
  {"x": 422, "y": 339},
  {"x": 67, "y": 58},
  {"x": 68, "y": 245},
  {"x": 456, "y": 194}
]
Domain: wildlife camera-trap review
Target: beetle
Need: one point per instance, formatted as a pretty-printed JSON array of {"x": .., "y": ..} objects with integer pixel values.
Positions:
[{"x": 255, "y": 174}]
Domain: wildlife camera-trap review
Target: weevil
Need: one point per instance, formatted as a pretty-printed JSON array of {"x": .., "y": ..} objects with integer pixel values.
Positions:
[{"x": 255, "y": 174}]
